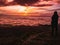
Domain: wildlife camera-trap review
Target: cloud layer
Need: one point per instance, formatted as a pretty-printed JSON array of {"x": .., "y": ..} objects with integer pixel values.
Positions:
[
  {"x": 21, "y": 2},
  {"x": 24, "y": 2}
]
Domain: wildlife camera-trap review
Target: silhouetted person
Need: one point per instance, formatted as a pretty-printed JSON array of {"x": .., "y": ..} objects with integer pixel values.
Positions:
[{"x": 54, "y": 23}]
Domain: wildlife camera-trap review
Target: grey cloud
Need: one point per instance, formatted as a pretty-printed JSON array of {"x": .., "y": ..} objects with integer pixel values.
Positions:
[{"x": 24, "y": 2}]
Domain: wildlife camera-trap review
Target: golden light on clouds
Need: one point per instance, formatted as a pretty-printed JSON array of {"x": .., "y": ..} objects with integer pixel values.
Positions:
[
  {"x": 19, "y": 10},
  {"x": 24, "y": 10},
  {"x": 9, "y": 0},
  {"x": 35, "y": 9}
]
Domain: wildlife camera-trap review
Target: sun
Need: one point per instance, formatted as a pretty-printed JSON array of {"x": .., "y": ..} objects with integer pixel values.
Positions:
[
  {"x": 21, "y": 9},
  {"x": 24, "y": 10}
]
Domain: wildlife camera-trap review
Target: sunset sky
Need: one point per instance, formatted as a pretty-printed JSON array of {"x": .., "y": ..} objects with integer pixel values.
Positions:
[
  {"x": 35, "y": 8},
  {"x": 24, "y": 13}
]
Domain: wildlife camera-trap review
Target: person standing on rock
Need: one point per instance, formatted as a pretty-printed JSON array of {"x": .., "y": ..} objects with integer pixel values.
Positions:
[{"x": 54, "y": 24}]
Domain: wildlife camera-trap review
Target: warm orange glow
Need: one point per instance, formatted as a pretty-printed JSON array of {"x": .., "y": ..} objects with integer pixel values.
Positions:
[
  {"x": 19, "y": 10},
  {"x": 9, "y": 0},
  {"x": 25, "y": 10},
  {"x": 22, "y": 10}
]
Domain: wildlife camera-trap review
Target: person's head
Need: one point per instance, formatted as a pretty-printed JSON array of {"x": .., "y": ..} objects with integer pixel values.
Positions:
[{"x": 55, "y": 13}]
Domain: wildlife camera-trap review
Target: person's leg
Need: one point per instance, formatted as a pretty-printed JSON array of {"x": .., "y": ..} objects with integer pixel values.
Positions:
[{"x": 56, "y": 31}]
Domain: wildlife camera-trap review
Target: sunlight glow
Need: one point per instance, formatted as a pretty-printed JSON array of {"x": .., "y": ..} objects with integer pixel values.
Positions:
[
  {"x": 17, "y": 9},
  {"x": 9, "y": 0},
  {"x": 21, "y": 9},
  {"x": 24, "y": 10}
]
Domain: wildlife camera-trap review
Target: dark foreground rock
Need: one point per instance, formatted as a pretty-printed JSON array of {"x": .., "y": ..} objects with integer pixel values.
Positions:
[{"x": 26, "y": 35}]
